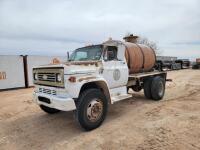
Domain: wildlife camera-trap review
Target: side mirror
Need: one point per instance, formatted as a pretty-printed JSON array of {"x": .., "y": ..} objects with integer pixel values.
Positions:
[{"x": 67, "y": 55}]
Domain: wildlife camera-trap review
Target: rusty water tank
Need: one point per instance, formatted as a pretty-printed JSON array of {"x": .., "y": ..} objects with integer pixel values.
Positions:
[{"x": 140, "y": 58}]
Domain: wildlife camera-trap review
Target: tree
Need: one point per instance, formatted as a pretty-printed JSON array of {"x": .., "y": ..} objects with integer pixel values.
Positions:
[
  {"x": 142, "y": 40},
  {"x": 147, "y": 42}
]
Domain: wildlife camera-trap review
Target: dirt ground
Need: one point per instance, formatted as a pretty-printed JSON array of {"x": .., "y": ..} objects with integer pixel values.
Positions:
[{"x": 137, "y": 123}]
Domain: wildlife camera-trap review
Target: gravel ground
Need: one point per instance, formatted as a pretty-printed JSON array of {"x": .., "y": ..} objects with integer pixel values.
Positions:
[{"x": 136, "y": 123}]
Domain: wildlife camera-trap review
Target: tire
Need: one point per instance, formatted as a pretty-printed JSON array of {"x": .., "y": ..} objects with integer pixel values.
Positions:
[
  {"x": 91, "y": 100},
  {"x": 136, "y": 88},
  {"x": 147, "y": 88},
  {"x": 157, "y": 88},
  {"x": 49, "y": 110}
]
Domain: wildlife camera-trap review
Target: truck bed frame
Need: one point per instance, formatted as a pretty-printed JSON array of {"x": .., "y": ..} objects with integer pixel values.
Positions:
[{"x": 138, "y": 78}]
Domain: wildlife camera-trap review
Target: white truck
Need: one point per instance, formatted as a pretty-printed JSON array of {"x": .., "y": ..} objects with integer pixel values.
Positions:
[{"x": 92, "y": 78}]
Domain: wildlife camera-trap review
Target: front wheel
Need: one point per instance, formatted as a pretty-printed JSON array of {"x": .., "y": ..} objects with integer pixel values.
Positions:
[{"x": 91, "y": 109}]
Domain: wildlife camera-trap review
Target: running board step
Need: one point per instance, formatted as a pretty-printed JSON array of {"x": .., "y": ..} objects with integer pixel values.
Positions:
[{"x": 120, "y": 97}]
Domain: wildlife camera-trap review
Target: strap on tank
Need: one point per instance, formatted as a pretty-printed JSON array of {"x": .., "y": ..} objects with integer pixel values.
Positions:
[
  {"x": 154, "y": 55},
  {"x": 128, "y": 55},
  {"x": 142, "y": 55}
]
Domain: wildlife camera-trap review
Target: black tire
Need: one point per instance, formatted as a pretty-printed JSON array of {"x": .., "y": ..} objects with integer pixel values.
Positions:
[
  {"x": 157, "y": 88},
  {"x": 147, "y": 88},
  {"x": 84, "y": 101},
  {"x": 49, "y": 110},
  {"x": 136, "y": 88}
]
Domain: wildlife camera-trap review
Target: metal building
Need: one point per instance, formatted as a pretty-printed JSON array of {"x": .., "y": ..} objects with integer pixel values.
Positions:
[{"x": 16, "y": 71}]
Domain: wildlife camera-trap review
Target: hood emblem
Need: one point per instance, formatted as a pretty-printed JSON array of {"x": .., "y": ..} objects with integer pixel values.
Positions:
[{"x": 44, "y": 77}]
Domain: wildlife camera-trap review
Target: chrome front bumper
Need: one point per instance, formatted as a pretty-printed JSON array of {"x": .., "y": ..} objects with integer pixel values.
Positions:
[{"x": 65, "y": 104}]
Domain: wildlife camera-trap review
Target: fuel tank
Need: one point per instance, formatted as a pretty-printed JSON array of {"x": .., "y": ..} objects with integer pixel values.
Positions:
[{"x": 140, "y": 58}]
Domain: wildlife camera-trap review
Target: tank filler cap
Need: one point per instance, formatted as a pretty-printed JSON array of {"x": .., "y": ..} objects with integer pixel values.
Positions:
[{"x": 131, "y": 38}]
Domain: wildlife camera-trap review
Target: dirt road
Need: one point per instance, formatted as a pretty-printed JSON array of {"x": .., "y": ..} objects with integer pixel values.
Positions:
[{"x": 137, "y": 123}]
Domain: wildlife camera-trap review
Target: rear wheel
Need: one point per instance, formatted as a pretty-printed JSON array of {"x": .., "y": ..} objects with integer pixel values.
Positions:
[
  {"x": 91, "y": 109},
  {"x": 157, "y": 88},
  {"x": 49, "y": 110},
  {"x": 147, "y": 88}
]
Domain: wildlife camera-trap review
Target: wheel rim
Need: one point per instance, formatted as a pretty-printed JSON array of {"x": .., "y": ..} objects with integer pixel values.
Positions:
[
  {"x": 161, "y": 89},
  {"x": 94, "y": 110}
]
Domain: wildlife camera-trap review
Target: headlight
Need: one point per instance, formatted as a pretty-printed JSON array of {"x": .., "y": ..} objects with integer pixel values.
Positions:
[
  {"x": 35, "y": 76},
  {"x": 59, "y": 77}
]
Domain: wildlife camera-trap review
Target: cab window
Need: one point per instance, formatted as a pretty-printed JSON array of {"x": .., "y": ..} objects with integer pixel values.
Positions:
[{"x": 111, "y": 53}]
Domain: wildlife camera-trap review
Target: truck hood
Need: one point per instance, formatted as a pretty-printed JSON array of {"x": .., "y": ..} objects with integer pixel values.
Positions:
[{"x": 86, "y": 67}]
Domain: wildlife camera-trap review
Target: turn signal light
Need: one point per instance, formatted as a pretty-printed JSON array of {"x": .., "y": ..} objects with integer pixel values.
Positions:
[{"x": 72, "y": 79}]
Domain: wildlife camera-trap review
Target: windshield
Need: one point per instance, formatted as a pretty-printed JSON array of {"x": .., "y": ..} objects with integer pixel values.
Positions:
[{"x": 87, "y": 53}]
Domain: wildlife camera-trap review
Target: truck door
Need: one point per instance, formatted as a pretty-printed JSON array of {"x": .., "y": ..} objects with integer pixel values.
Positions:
[
  {"x": 115, "y": 69},
  {"x": 122, "y": 65}
]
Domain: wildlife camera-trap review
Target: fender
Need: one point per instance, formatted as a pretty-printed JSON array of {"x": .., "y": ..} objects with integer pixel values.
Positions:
[{"x": 81, "y": 83}]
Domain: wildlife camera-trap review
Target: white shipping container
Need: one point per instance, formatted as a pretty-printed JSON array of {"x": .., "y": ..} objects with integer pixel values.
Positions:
[{"x": 11, "y": 72}]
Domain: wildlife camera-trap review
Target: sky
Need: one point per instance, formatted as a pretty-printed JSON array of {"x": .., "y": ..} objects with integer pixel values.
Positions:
[{"x": 53, "y": 27}]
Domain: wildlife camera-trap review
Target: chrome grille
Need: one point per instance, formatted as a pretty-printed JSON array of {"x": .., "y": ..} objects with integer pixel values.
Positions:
[
  {"x": 51, "y": 77},
  {"x": 48, "y": 76},
  {"x": 47, "y": 91}
]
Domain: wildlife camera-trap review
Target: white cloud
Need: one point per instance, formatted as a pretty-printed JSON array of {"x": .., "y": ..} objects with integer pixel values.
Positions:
[{"x": 36, "y": 26}]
